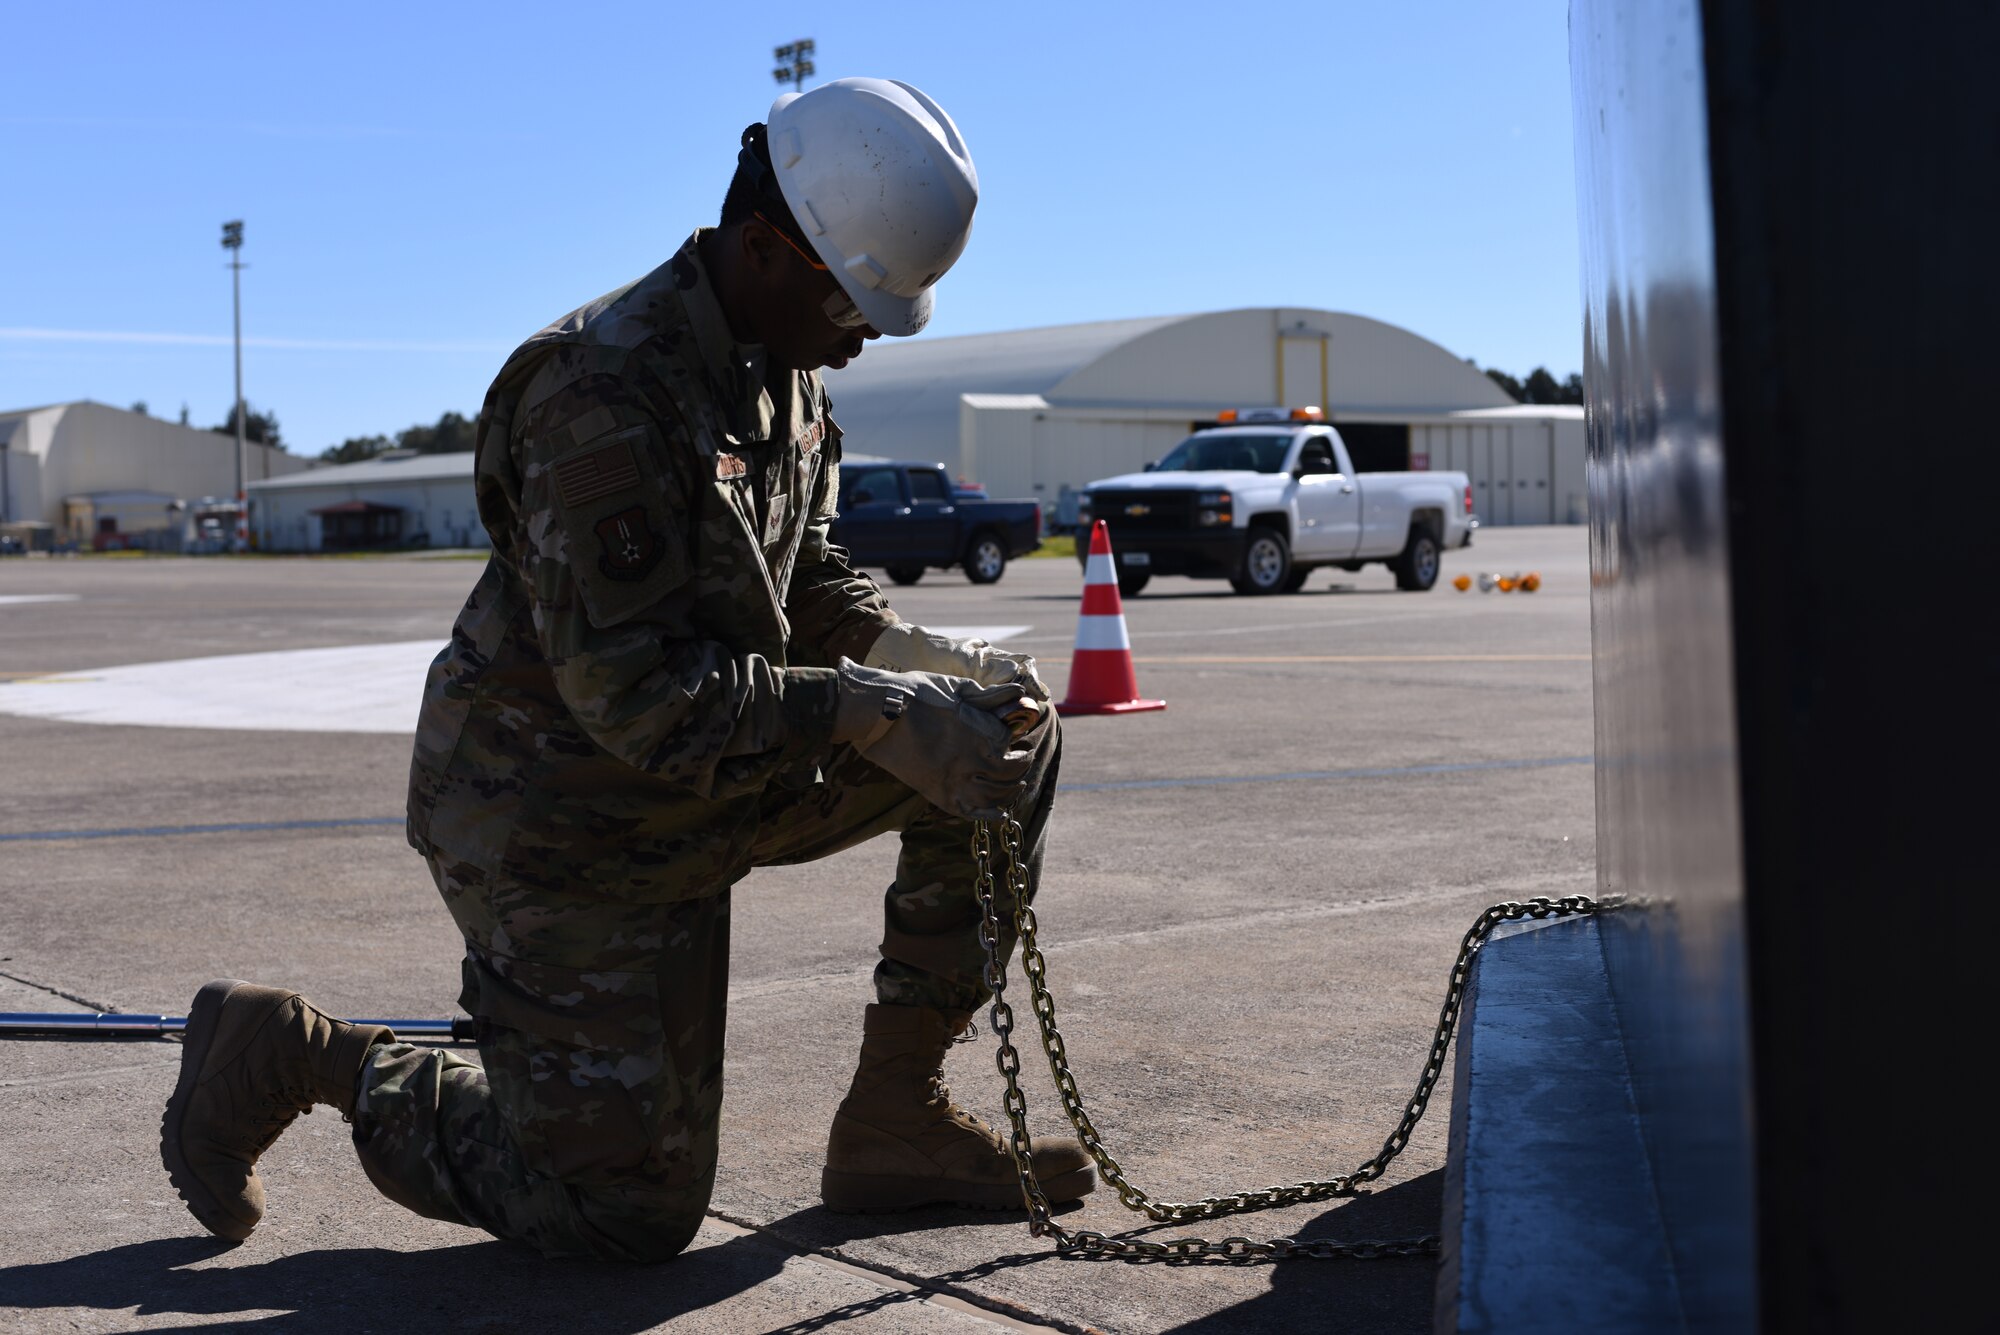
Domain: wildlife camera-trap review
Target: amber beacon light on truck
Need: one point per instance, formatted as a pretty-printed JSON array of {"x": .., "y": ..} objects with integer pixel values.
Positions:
[{"x": 1245, "y": 416}]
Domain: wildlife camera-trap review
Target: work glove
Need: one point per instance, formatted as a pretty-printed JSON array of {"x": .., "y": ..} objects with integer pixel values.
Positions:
[
  {"x": 940, "y": 735},
  {"x": 907, "y": 648}
]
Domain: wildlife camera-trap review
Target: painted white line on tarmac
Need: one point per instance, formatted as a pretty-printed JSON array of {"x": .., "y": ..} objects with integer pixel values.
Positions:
[
  {"x": 1329, "y": 624},
  {"x": 371, "y": 688},
  {"x": 354, "y": 688},
  {"x": 38, "y": 597}
]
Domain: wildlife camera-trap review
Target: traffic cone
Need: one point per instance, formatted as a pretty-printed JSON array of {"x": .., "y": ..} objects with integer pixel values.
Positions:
[{"x": 1101, "y": 680}]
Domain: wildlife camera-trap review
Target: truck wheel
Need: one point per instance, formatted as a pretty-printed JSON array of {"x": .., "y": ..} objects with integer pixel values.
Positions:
[
  {"x": 1417, "y": 567},
  {"x": 1130, "y": 582},
  {"x": 1297, "y": 579},
  {"x": 986, "y": 559},
  {"x": 906, "y": 574},
  {"x": 1267, "y": 563}
]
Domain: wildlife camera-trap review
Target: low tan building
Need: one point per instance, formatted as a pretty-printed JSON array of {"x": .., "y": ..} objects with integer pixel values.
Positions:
[
  {"x": 98, "y": 475},
  {"x": 398, "y": 499}
]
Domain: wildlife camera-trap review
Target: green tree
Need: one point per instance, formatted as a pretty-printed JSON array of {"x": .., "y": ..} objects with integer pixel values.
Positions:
[
  {"x": 259, "y": 427},
  {"x": 356, "y": 448},
  {"x": 1540, "y": 386},
  {"x": 452, "y": 435}
]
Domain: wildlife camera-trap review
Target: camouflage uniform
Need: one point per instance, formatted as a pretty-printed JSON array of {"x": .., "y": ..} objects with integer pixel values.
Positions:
[{"x": 633, "y": 712}]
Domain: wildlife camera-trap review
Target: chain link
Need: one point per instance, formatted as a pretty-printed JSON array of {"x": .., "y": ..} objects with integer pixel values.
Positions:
[{"x": 1006, "y": 832}]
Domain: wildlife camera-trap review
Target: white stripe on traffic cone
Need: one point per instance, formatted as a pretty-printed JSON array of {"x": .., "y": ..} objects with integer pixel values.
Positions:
[{"x": 1101, "y": 678}]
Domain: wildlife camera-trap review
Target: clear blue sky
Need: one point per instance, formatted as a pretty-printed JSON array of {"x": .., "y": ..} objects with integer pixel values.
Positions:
[{"x": 423, "y": 185}]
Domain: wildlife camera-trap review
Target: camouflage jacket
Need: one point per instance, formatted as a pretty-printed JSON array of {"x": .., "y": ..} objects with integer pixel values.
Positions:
[{"x": 651, "y": 643}]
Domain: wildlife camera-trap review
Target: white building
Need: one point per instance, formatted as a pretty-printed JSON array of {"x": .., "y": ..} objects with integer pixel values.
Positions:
[
  {"x": 398, "y": 499},
  {"x": 94, "y": 474},
  {"x": 1039, "y": 412}
]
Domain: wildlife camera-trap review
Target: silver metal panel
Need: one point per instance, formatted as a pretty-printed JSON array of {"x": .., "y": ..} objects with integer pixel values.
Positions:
[{"x": 1667, "y": 794}]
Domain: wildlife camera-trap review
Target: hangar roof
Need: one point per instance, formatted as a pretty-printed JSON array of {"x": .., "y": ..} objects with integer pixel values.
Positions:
[
  {"x": 1572, "y": 412},
  {"x": 407, "y": 468},
  {"x": 901, "y": 398}
]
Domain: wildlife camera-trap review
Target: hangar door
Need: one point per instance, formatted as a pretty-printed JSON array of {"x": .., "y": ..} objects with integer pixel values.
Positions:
[
  {"x": 1509, "y": 466},
  {"x": 1077, "y": 450},
  {"x": 1301, "y": 370}
]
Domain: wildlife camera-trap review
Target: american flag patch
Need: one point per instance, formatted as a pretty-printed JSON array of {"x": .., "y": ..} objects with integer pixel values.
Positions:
[{"x": 604, "y": 471}]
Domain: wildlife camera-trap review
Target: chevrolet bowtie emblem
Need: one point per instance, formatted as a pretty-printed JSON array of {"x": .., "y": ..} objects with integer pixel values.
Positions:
[{"x": 1137, "y": 510}]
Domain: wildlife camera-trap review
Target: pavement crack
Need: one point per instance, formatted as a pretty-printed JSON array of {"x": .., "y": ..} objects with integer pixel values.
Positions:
[
  {"x": 97, "y": 1073},
  {"x": 903, "y": 1285},
  {"x": 1293, "y": 913},
  {"x": 100, "y": 1007}
]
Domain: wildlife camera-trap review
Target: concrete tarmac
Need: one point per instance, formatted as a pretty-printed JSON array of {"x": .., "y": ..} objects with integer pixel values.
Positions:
[{"x": 1252, "y": 902}]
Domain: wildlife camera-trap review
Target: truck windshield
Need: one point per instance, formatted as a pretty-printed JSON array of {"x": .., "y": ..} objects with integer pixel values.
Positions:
[{"x": 1217, "y": 454}]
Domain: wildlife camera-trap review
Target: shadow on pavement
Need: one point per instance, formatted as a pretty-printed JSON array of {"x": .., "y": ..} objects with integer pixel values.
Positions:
[
  {"x": 489, "y": 1287},
  {"x": 483, "y": 1286},
  {"x": 1382, "y": 1297},
  {"x": 817, "y": 1227}
]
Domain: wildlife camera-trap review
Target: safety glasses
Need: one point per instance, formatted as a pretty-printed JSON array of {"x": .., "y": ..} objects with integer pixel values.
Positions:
[{"x": 839, "y": 307}]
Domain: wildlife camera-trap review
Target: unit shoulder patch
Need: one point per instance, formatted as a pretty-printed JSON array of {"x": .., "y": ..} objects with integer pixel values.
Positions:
[{"x": 629, "y": 547}]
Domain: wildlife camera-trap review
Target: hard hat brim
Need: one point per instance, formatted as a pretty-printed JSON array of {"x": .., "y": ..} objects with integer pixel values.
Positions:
[{"x": 897, "y": 317}]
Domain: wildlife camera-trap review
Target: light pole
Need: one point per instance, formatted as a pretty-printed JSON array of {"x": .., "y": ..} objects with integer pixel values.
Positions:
[
  {"x": 232, "y": 241},
  {"x": 794, "y": 63}
]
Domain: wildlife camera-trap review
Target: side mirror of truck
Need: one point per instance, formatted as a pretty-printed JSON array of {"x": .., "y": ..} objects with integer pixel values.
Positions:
[{"x": 1151, "y": 464}]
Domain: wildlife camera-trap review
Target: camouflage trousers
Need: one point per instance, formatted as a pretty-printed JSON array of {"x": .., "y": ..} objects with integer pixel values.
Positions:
[{"x": 589, "y": 1127}]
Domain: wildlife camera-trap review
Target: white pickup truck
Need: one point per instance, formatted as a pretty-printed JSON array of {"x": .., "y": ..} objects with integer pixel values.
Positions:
[{"x": 1264, "y": 503}]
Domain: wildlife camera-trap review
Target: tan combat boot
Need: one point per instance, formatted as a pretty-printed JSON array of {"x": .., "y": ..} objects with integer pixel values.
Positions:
[
  {"x": 899, "y": 1141},
  {"x": 253, "y": 1059}
]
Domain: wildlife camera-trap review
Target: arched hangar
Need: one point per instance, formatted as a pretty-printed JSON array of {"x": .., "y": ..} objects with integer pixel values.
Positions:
[{"x": 1041, "y": 412}]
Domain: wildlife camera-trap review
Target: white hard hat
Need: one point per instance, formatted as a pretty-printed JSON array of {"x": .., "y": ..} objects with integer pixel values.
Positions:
[{"x": 883, "y": 187}]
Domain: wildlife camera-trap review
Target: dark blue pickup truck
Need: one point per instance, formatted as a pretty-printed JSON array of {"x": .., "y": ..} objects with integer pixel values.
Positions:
[{"x": 908, "y": 517}]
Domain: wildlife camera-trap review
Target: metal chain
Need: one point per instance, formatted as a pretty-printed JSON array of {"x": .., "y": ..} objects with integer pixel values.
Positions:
[{"x": 1088, "y": 1242}]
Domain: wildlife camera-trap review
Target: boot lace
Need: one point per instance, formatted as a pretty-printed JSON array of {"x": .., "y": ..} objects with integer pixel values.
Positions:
[
  {"x": 277, "y": 1110},
  {"x": 938, "y": 1092}
]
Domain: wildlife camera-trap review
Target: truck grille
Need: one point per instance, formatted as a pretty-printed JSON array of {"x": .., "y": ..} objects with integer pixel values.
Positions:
[{"x": 1144, "y": 511}]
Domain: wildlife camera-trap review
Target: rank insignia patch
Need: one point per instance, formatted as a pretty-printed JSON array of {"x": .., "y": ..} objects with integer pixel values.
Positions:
[{"x": 630, "y": 549}]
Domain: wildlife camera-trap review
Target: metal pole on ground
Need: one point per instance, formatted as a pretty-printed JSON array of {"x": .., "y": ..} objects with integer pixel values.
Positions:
[{"x": 108, "y": 1024}]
